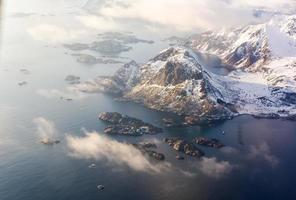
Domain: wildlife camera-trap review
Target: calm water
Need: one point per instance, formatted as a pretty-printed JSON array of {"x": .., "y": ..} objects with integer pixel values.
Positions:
[{"x": 258, "y": 163}]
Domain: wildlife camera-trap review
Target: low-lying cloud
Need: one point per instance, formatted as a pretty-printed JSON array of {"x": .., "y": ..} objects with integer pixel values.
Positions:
[
  {"x": 187, "y": 15},
  {"x": 54, "y": 33},
  {"x": 45, "y": 129},
  {"x": 262, "y": 151},
  {"x": 96, "y": 146},
  {"x": 69, "y": 93},
  {"x": 76, "y": 91},
  {"x": 214, "y": 168}
]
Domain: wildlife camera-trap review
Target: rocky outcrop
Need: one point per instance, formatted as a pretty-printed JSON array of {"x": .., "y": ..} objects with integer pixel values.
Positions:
[
  {"x": 169, "y": 122},
  {"x": 184, "y": 147},
  {"x": 109, "y": 47},
  {"x": 125, "y": 125},
  {"x": 122, "y": 130},
  {"x": 50, "y": 142},
  {"x": 179, "y": 157},
  {"x": 212, "y": 142},
  {"x": 72, "y": 79},
  {"x": 145, "y": 148},
  {"x": 91, "y": 60}
]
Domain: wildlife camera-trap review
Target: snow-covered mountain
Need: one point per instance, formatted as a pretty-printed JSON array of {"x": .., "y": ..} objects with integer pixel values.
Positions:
[
  {"x": 266, "y": 55},
  {"x": 251, "y": 46},
  {"x": 173, "y": 81},
  {"x": 262, "y": 82}
]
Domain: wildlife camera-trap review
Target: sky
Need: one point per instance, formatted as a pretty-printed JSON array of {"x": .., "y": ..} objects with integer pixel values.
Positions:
[
  {"x": 181, "y": 15},
  {"x": 62, "y": 21},
  {"x": 189, "y": 14}
]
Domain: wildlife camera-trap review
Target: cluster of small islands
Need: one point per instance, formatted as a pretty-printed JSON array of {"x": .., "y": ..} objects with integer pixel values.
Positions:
[
  {"x": 118, "y": 124},
  {"x": 129, "y": 126},
  {"x": 109, "y": 45}
]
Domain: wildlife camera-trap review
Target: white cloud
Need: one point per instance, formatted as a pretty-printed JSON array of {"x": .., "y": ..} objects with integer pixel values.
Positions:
[
  {"x": 68, "y": 93},
  {"x": 188, "y": 15},
  {"x": 96, "y": 146},
  {"x": 50, "y": 93},
  {"x": 54, "y": 34},
  {"x": 188, "y": 173},
  {"x": 262, "y": 151},
  {"x": 76, "y": 91},
  {"x": 99, "y": 23},
  {"x": 89, "y": 87},
  {"x": 214, "y": 168},
  {"x": 45, "y": 129}
]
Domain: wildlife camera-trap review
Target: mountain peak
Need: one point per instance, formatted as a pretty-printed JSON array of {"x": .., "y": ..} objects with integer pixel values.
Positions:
[{"x": 172, "y": 66}]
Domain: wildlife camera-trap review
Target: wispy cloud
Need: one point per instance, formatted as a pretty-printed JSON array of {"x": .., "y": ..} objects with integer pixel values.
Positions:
[
  {"x": 188, "y": 15},
  {"x": 214, "y": 168},
  {"x": 262, "y": 151},
  {"x": 70, "y": 92},
  {"x": 45, "y": 129},
  {"x": 54, "y": 33},
  {"x": 99, "y": 23},
  {"x": 229, "y": 150},
  {"x": 97, "y": 146}
]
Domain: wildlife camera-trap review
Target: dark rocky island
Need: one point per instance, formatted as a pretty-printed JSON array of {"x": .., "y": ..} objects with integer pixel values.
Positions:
[
  {"x": 145, "y": 148},
  {"x": 91, "y": 60},
  {"x": 50, "y": 142},
  {"x": 179, "y": 157},
  {"x": 124, "y": 38},
  {"x": 72, "y": 79},
  {"x": 212, "y": 142},
  {"x": 184, "y": 147},
  {"x": 125, "y": 125},
  {"x": 22, "y": 83},
  {"x": 25, "y": 71}
]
